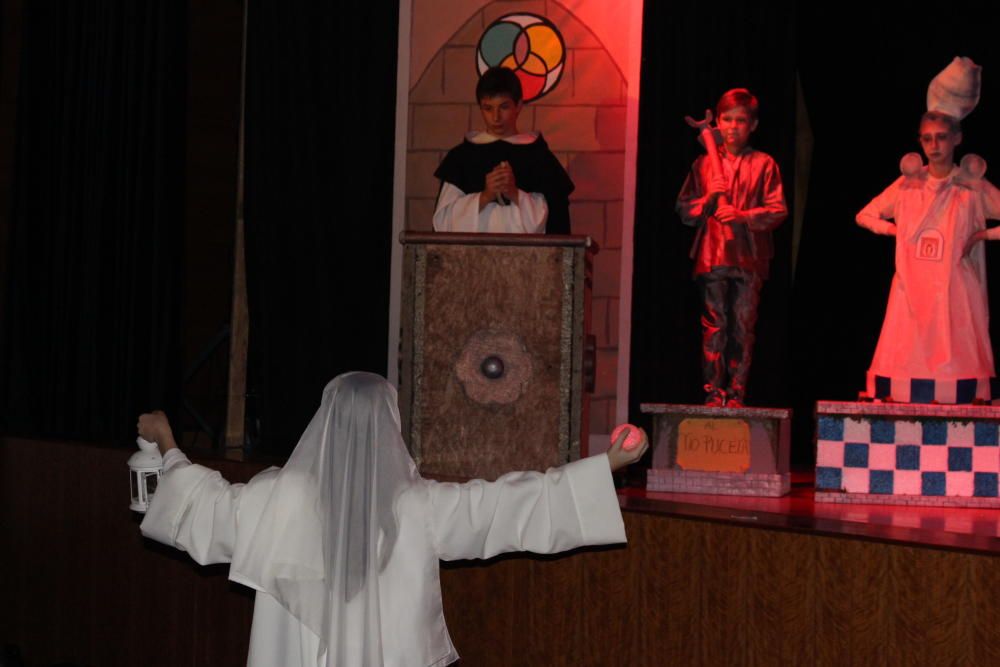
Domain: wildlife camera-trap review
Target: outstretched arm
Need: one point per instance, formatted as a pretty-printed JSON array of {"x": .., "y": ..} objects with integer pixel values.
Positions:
[
  {"x": 566, "y": 507},
  {"x": 194, "y": 509},
  {"x": 563, "y": 508}
]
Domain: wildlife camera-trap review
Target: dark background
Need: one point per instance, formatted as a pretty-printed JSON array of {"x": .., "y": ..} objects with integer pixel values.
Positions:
[
  {"x": 119, "y": 164},
  {"x": 118, "y": 150}
]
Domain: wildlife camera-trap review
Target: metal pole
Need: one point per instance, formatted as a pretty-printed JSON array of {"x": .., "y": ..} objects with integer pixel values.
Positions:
[{"x": 240, "y": 316}]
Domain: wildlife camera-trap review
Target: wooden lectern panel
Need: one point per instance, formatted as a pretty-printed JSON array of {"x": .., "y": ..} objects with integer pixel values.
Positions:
[{"x": 492, "y": 353}]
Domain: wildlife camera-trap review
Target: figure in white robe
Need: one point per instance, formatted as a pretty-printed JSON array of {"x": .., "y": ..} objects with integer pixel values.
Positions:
[
  {"x": 342, "y": 544},
  {"x": 935, "y": 342}
]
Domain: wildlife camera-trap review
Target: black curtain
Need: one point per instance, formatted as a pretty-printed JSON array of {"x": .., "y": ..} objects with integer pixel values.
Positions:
[
  {"x": 693, "y": 53},
  {"x": 89, "y": 330},
  {"x": 320, "y": 135}
]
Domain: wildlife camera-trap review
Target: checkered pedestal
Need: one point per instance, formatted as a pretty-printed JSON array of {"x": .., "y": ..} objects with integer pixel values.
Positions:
[
  {"x": 947, "y": 455},
  {"x": 770, "y": 438},
  {"x": 922, "y": 390}
]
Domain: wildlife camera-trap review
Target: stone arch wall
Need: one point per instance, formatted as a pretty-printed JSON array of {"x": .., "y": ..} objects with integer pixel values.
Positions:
[{"x": 583, "y": 120}]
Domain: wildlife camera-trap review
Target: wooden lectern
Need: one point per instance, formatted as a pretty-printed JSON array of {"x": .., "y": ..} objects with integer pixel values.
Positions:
[{"x": 494, "y": 374}]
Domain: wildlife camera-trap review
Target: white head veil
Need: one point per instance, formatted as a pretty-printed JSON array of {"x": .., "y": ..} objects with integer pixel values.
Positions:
[{"x": 328, "y": 527}]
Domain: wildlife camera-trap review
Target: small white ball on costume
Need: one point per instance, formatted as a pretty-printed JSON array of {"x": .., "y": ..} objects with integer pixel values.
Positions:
[
  {"x": 911, "y": 164},
  {"x": 632, "y": 440},
  {"x": 973, "y": 167}
]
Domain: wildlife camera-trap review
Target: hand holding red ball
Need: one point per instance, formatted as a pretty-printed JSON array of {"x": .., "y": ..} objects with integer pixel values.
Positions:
[
  {"x": 633, "y": 437},
  {"x": 628, "y": 444}
]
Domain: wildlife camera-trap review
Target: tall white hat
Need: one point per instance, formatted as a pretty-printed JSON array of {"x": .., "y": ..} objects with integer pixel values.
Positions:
[{"x": 955, "y": 90}]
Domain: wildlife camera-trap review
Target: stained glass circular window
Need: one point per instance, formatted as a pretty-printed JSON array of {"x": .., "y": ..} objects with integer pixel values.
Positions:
[{"x": 528, "y": 44}]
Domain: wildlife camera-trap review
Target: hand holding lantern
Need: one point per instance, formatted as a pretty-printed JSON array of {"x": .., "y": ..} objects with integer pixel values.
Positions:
[{"x": 145, "y": 469}]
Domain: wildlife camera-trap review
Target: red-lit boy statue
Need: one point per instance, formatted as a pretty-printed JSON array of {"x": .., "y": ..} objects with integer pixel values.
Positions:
[{"x": 733, "y": 196}]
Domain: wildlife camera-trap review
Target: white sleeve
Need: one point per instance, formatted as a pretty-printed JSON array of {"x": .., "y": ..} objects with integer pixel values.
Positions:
[
  {"x": 174, "y": 458},
  {"x": 195, "y": 510},
  {"x": 459, "y": 212},
  {"x": 530, "y": 214},
  {"x": 566, "y": 507},
  {"x": 991, "y": 208},
  {"x": 876, "y": 215},
  {"x": 455, "y": 210}
]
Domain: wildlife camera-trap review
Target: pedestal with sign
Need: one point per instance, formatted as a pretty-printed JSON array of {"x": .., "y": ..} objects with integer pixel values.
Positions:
[{"x": 730, "y": 451}]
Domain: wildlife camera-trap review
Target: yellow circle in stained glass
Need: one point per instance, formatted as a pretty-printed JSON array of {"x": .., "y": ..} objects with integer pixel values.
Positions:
[{"x": 546, "y": 44}]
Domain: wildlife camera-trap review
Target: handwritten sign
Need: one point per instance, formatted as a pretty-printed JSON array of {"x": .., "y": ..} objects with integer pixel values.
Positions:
[{"x": 718, "y": 445}]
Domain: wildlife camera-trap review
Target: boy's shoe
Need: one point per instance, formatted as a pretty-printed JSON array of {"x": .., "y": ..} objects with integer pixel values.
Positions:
[{"x": 714, "y": 398}]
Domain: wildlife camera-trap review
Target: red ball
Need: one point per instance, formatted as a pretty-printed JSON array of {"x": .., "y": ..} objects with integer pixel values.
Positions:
[{"x": 632, "y": 440}]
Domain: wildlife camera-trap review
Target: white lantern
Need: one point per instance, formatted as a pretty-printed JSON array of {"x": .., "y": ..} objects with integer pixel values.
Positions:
[{"x": 145, "y": 469}]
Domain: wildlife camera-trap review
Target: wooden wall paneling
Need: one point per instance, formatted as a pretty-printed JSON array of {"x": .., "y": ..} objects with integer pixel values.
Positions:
[
  {"x": 983, "y": 581},
  {"x": 843, "y": 616},
  {"x": 926, "y": 632},
  {"x": 784, "y": 598},
  {"x": 485, "y": 597},
  {"x": 667, "y": 627},
  {"x": 81, "y": 585},
  {"x": 556, "y": 607},
  {"x": 833, "y": 602},
  {"x": 722, "y": 567},
  {"x": 960, "y": 614},
  {"x": 13, "y": 569},
  {"x": 793, "y": 599},
  {"x": 609, "y": 617}
]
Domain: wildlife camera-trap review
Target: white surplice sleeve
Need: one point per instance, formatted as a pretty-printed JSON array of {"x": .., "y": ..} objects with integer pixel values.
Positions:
[
  {"x": 566, "y": 507},
  {"x": 459, "y": 212},
  {"x": 195, "y": 510}
]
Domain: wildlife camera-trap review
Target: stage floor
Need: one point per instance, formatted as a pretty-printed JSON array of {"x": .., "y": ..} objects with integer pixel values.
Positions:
[{"x": 971, "y": 530}]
